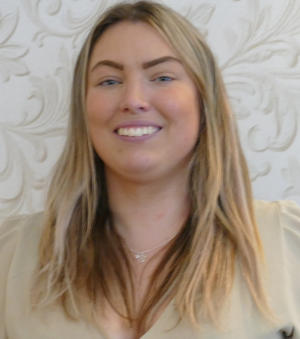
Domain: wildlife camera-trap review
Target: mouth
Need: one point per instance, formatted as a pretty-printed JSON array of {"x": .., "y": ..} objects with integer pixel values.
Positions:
[{"x": 137, "y": 131}]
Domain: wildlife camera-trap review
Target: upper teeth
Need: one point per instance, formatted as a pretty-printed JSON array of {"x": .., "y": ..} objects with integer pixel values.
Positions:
[{"x": 137, "y": 131}]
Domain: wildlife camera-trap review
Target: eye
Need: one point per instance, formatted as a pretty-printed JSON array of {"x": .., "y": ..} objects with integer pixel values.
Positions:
[
  {"x": 108, "y": 82},
  {"x": 163, "y": 78}
]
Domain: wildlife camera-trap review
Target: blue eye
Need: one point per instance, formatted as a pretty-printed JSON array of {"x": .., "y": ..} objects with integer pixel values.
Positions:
[
  {"x": 108, "y": 82},
  {"x": 163, "y": 78}
]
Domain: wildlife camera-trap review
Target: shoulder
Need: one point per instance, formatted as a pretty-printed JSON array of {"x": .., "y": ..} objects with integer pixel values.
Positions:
[
  {"x": 14, "y": 227},
  {"x": 19, "y": 221},
  {"x": 19, "y": 239},
  {"x": 279, "y": 229},
  {"x": 16, "y": 232},
  {"x": 277, "y": 216}
]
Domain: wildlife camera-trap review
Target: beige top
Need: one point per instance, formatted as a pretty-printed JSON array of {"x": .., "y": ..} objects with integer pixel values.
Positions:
[{"x": 279, "y": 226}]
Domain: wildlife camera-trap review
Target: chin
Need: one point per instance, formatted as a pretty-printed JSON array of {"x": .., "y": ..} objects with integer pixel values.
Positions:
[
  {"x": 139, "y": 165},
  {"x": 138, "y": 174}
]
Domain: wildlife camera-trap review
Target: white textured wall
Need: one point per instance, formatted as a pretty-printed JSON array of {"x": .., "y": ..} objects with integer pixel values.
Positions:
[{"x": 257, "y": 43}]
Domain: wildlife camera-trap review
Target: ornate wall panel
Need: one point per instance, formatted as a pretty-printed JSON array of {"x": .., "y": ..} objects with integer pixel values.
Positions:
[{"x": 257, "y": 44}]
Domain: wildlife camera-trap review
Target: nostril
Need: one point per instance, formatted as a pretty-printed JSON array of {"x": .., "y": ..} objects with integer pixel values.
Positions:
[
  {"x": 287, "y": 333},
  {"x": 140, "y": 108}
]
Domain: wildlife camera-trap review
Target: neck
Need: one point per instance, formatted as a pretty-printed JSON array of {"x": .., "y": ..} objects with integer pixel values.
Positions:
[{"x": 146, "y": 215}]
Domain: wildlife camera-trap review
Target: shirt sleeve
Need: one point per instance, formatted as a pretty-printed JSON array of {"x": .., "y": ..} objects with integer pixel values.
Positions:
[
  {"x": 8, "y": 239},
  {"x": 289, "y": 216}
]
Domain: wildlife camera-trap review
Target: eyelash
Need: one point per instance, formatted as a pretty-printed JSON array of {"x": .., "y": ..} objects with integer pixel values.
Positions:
[
  {"x": 160, "y": 78},
  {"x": 108, "y": 82},
  {"x": 111, "y": 82}
]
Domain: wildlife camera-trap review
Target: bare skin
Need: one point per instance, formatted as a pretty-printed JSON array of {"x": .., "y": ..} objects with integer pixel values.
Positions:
[
  {"x": 144, "y": 217},
  {"x": 116, "y": 327},
  {"x": 147, "y": 176}
]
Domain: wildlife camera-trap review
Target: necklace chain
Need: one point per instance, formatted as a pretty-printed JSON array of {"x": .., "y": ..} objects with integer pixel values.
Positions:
[{"x": 142, "y": 256}]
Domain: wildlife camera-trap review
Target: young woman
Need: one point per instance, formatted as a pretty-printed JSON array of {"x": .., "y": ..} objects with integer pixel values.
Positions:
[{"x": 150, "y": 229}]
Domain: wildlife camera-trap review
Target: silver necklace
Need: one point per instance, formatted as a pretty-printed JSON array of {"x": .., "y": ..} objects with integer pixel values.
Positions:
[{"x": 142, "y": 256}]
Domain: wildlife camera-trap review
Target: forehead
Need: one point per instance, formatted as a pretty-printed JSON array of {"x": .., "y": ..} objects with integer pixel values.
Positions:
[{"x": 126, "y": 39}]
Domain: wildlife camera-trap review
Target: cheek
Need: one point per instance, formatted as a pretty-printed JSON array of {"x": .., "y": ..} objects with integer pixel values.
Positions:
[
  {"x": 187, "y": 112},
  {"x": 182, "y": 108},
  {"x": 169, "y": 105},
  {"x": 97, "y": 109},
  {"x": 92, "y": 107}
]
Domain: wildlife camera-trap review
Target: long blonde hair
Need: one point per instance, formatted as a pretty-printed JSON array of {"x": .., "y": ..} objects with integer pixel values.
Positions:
[{"x": 81, "y": 255}]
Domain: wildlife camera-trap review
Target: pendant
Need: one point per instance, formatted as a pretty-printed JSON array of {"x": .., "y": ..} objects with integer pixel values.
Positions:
[{"x": 140, "y": 257}]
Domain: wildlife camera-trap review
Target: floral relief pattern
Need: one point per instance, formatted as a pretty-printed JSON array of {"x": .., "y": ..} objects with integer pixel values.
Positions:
[
  {"x": 75, "y": 24},
  {"x": 264, "y": 70},
  {"x": 261, "y": 41},
  {"x": 200, "y": 15},
  {"x": 291, "y": 175},
  {"x": 28, "y": 140},
  {"x": 257, "y": 44},
  {"x": 11, "y": 53}
]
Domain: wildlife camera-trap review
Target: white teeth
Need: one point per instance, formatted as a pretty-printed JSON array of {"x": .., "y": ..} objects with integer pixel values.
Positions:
[{"x": 137, "y": 131}]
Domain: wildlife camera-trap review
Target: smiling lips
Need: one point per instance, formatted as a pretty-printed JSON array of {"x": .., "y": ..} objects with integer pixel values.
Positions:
[{"x": 137, "y": 131}]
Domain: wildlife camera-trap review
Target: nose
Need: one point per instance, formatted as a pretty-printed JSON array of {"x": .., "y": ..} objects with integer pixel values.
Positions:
[{"x": 134, "y": 98}]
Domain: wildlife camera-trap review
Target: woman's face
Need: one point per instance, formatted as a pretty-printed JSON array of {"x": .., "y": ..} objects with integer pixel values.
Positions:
[{"x": 142, "y": 107}]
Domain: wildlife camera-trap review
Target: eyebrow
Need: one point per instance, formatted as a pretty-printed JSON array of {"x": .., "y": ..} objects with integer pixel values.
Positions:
[{"x": 145, "y": 65}]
